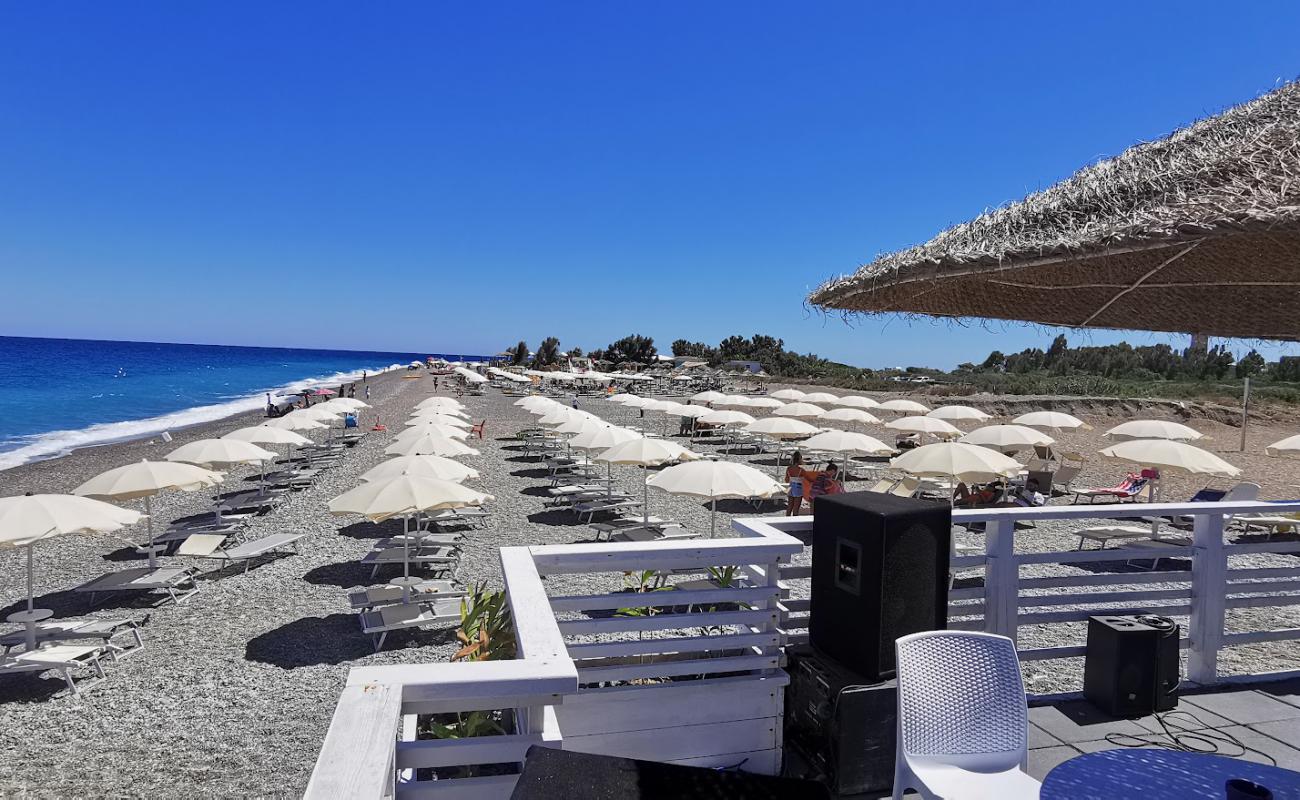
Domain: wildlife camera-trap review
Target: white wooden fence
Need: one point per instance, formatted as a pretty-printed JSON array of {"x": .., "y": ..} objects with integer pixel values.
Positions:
[{"x": 1006, "y": 601}]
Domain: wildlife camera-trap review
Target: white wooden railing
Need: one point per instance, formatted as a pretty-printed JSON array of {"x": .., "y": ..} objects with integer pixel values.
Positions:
[
  {"x": 600, "y": 683},
  {"x": 1006, "y": 602}
]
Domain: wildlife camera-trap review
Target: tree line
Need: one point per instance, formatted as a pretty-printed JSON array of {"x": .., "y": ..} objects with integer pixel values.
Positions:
[{"x": 1123, "y": 361}]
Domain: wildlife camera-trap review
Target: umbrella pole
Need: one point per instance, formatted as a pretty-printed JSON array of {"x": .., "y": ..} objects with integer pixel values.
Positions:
[
  {"x": 645, "y": 500},
  {"x": 713, "y": 516},
  {"x": 148, "y": 521},
  {"x": 30, "y": 592},
  {"x": 406, "y": 558}
]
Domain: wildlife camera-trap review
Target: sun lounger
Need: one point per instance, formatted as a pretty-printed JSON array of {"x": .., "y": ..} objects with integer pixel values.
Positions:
[
  {"x": 907, "y": 487},
  {"x": 1273, "y": 523},
  {"x": 652, "y": 534},
  {"x": 380, "y": 622},
  {"x": 1127, "y": 489},
  {"x": 422, "y": 539},
  {"x": 177, "y": 582},
  {"x": 425, "y": 591},
  {"x": 623, "y": 523},
  {"x": 1102, "y": 534},
  {"x": 594, "y": 507},
  {"x": 469, "y": 517},
  {"x": 209, "y": 546},
  {"x": 72, "y": 630},
  {"x": 61, "y": 658},
  {"x": 437, "y": 558}
]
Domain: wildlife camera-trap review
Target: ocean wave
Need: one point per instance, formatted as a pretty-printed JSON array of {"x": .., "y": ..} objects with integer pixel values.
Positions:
[{"x": 52, "y": 444}]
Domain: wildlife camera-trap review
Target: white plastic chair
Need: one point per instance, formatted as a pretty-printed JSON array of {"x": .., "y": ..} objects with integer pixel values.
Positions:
[{"x": 963, "y": 724}]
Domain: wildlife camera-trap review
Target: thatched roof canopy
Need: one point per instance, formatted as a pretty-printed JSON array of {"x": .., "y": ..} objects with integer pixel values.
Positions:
[{"x": 1198, "y": 232}]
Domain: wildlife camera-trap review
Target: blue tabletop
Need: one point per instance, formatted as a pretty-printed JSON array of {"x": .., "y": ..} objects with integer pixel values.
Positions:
[{"x": 1159, "y": 774}]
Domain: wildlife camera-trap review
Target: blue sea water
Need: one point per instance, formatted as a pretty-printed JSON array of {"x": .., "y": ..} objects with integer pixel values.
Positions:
[{"x": 60, "y": 394}]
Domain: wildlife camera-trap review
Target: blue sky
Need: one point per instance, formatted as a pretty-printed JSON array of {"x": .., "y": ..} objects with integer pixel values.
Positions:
[{"x": 456, "y": 177}]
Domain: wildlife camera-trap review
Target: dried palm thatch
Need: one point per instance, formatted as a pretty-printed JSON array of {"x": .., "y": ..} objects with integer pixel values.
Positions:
[{"x": 1198, "y": 232}]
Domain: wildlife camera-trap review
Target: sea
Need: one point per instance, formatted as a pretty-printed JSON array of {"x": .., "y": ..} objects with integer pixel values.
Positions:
[{"x": 57, "y": 395}]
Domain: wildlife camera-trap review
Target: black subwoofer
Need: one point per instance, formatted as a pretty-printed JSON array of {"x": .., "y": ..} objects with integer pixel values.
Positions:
[
  {"x": 1131, "y": 665},
  {"x": 879, "y": 571}
]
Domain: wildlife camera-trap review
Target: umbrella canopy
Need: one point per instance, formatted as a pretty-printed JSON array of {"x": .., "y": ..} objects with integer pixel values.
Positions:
[
  {"x": 788, "y": 395},
  {"x": 403, "y": 496},
  {"x": 1007, "y": 438},
  {"x": 296, "y": 421},
  {"x": 821, "y": 398},
  {"x": 440, "y": 402},
  {"x": 904, "y": 407},
  {"x": 726, "y": 418},
  {"x": 693, "y": 411},
  {"x": 709, "y": 396},
  {"x": 645, "y": 452},
  {"x": 348, "y": 403},
  {"x": 146, "y": 479},
  {"x": 443, "y": 469},
  {"x": 1051, "y": 420},
  {"x": 440, "y": 418},
  {"x": 1193, "y": 233},
  {"x": 320, "y": 412},
  {"x": 963, "y": 462},
  {"x": 657, "y": 405},
  {"x": 1287, "y": 446},
  {"x": 430, "y": 444},
  {"x": 596, "y": 440},
  {"x": 930, "y": 425},
  {"x": 715, "y": 480},
  {"x": 636, "y": 402},
  {"x": 799, "y": 410},
  {"x": 958, "y": 414},
  {"x": 215, "y": 453},
  {"x": 767, "y": 403},
  {"x": 1165, "y": 454},
  {"x": 848, "y": 442},
  {"x": 856, "y": 401},
  {"x": 1154, "y": 429},
  {"x": 578, "y": 425},
  {"x": 560, "y": 415},
  {"x": 267, "y": 434},
  {"x": 620, "y": 398},
  {"x": 782, "y": 428},
  {"x": 26, "y": 519},
  {"x": 848, "y": 415},
  {"x": 419, "y": 429}
]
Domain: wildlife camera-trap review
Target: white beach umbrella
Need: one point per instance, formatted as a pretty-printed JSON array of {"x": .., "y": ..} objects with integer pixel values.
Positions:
[
  {"x": 788, "y": 395},
  {"x": 821, "y": 398},
  {"x": 856, "y": 401},
  {"x": 620, "y": 399},
  {"x": 443, "y": 469},
  {"x": 782, "y": 428},
  {"x": 440, "y": 418},
  {"x": 848, "y": 443},
  {"x": 634, "y": 401},
  {"x": 695, "y": 412},
  {"x": 349, "y": 403},
  {"x": 405, "y": 496},
  {"x": 440, "y": 402},
  {"x": 765, "y": 403},
  {"x": 145, "y": 479},
  {"x": 799, "y": 410},
  {"x": 1287, "y": 446},
  {"x": 578, "y": 425},
  {"x": 267, "y": 434},
  {"x": 646, "y": 453},
  {"x": 1166, "y": 454},
  {"x": 27, "y": 519},
  {"x": 732, "y": 401},
  {"x": 1007, "y": 438},
  {"x": 296, "y": 421},
  {"x": 709, "y": 396},
  {"x": 848, "y": 415},
  {"x": 904, "y": 407},
  {"x": 930, "y": 425},
  {"x": 220, "y": 453},
  {"x": 714, "y": 480},
  {"x": 958, "y": 414},
  {"x": 419, "y": 429},
  {"x": 963, "y": 462},
  {"x": 726, "y": 418},
  {"x": 430, "y": 444},
  {"x": 657, "y": 405},
  {"x": 1051, "y": 420},
  {"x": 599, "y": 439},
  {"x": 1154, "y": 429},
  {"x": 560, "y": 415},
  {"x": 321, "y": 413}
]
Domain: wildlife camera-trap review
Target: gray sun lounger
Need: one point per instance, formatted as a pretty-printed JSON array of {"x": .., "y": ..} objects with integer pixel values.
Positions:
[
  {"x": 382, "y": 621},
  {"x": 423, "y": 592},
  {"x": 453, "y": 539},
  {"x": 209, "y": 546},
  {"x": 438, "y": 558},
  {"x": 61, "y": 658},
  {"x": 177, "y": 582},
  {"x": 75, "y": 630},
  {"x": 652, "y": 534}
]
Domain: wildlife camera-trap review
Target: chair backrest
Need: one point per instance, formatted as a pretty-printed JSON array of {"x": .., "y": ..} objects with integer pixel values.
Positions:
[
  {"x": 1064, "y": 475},
  {"x": 201, "y": 544},
  {"x": 1242, "y": 491},
  {"x": 961, "y": 694},
  {"x": 402, "y": 612},
  {"x": 906, "y": 487},
  {"x": 882, "y": 485}
]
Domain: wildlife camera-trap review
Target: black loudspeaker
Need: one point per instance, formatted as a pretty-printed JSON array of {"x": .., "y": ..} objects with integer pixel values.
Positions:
[
  {"x": 842, "y": 725},
  {"x": 1131, "y": 665},
  {"x": 879, "y": 571}
]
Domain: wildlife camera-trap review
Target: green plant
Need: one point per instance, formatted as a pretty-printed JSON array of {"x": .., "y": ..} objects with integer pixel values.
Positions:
[
  {"x": 486, "y": 630},
  {"x": 466, "y": 725},
  {"x": 642, "y": 583}
]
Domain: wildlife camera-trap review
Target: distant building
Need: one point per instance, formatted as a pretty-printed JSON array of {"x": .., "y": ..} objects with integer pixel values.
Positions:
[{"x": 743, "y": 366}]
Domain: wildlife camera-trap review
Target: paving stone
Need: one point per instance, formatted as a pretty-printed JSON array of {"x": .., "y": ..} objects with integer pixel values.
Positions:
[
  {"x": 1286, "y": 757},
  {"x": 1042, "y": 760},
  {"x": 1286, "y": 691},
  {"x": 1185, "y": 717},
  {"x": 1286, "y": 731},
  {"x": 1079, "y": 721},
  {"x": 1041, "y": 738},
  {"x": 1244, "y": 707}
]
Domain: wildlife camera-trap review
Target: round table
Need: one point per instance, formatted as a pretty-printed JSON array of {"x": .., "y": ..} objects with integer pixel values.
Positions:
[
  {"x": 407, "y": 585},
  {"x": 30, "y": 618},
  {"x": 1159, "y": 774}
]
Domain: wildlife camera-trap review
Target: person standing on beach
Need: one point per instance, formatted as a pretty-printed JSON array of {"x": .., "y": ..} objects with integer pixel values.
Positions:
[
  {"x": 794, "y": 476},
  {"x": 364, "y": 377},
  {"x": 367, "y": 391}
]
